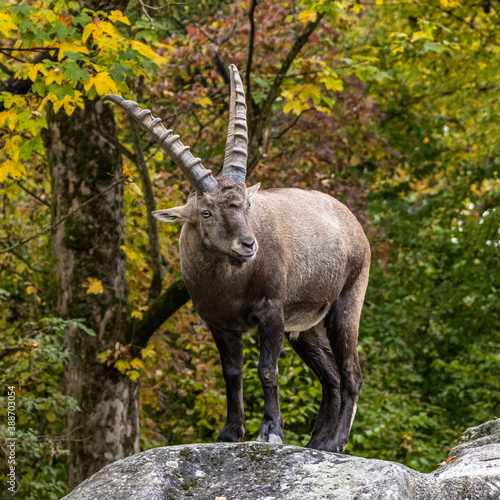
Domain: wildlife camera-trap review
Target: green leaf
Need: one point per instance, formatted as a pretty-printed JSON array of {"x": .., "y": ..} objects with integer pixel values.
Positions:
[
  {"x": 74, "y": 73},
  {"x": 22, "y": 9},
  {"x": 31, "y": 123},
  {"x": 82, "y": 20},
  {"x": 34, "y": 144},
  {"x": 39, "y": 86},
  {"x": 432, "y": 47},
  {"x": 262, "y": 82},
  {"x": 62, "y": 31}
]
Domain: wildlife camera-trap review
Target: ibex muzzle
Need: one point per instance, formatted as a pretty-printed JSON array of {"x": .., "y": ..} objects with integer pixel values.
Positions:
[{"x": 289, "y": 261}]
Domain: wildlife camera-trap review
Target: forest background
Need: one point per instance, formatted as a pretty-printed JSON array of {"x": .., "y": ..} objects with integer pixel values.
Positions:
[{"x": 391, "y": 107}]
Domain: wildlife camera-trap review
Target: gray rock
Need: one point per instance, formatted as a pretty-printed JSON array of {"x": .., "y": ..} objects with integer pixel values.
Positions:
[
  {"x": 475, "y": 474},
  {"x": 261, "y": 471}
]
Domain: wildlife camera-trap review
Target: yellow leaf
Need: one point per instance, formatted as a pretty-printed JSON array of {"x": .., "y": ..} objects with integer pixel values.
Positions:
[
  {"x": 87, "y": 31},
  {"x": 355, "y": 160},
  {"x": 136, "y": 314},
  {"x": 14, "y": 168},
  {"x": 148, "y": 52},
  {"x": 447, "y": 4},
  {"x": 122, "y": 366},
  {"x": 309, "y": 90},
  {"x": 71, "y": 47},
  {"x": 324, "y": 109},
  {"x": 68, "y": 102},
  {"x": 32, "y": 73},
  {"x": 116, "y": 15},
  {"x": 307, "y": 16},
  {"x": 333, "y": 83},
  {"x": 136, "y": 363},
  {"x": 54, "y": 76},
  {"x": 7, "y": 25},
  {"x": 147, "y": 352},
  {"x": 204, "y": 102},
  {"x": 9, "y": 116},
  {"x": 130, "y": 254},
  {"x": 296, "y": 106},
  {"x": 12, "y": 146},
  {"x": 103, "y": 84},
  {"x": 127, "y": 171},
  {"x": 419, "y": 35},
  {"x": 135, "y": 188},
  {"x": 94, "y": 286},
  {"x": 133, "y": 374}
]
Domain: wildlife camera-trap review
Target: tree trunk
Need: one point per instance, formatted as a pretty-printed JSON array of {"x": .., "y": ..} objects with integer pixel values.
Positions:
[{"x": 83, "y": 163}]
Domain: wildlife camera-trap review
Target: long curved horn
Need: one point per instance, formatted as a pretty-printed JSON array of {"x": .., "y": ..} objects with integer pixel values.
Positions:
[
  {"x": 200, "y": 178},
  {"x": 235, "y": 160}
]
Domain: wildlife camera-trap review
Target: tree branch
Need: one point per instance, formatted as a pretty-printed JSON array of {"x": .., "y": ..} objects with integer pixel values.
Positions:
[
  {"x": 20, "y": 257},
  {"x": 20, "y": 86},
  {"x": 6, "y": 70},
  {"x": 154, "y": 238},
  {"x": 258, "y": 123},
  {"x": 24, "y": 188},
  {"x": 286, "y": 129},
  {"x": 173, "y": 298},
  {"x": 251, "y": 41},
  {"x": 49, "y": 227}
]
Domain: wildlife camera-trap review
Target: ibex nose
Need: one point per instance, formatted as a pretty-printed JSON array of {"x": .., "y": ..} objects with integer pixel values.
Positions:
[{"x": 249, "y": 243}]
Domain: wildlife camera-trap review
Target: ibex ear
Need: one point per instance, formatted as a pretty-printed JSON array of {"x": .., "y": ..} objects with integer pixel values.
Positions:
[
  {"x": 176, "y": 214},
  {"x": 252, "y": 191}
]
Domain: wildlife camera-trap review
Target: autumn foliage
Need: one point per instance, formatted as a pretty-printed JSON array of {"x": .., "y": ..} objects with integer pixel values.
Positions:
[{"x": 392, "y": 107}]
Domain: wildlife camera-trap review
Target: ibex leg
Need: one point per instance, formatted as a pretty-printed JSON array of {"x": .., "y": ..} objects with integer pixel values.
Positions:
[
  {"x": 271, "y": 345},
  {"x": 230, "y": 348},
  {"x": 342, "y": 325},
  {"x": 313, "y": 348}
]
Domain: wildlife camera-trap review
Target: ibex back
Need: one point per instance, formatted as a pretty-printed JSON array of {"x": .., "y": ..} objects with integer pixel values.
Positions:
[{"x": 289, "y": 261}]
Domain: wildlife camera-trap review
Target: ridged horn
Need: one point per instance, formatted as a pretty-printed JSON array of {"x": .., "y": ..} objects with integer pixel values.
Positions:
[
  {"x": 235, "y": 159},
  {"x": 200, "y": 178}
]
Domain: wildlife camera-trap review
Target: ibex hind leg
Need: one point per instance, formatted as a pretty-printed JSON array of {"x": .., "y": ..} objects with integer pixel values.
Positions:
[
  {"x": 313, "y": 348},
  {"x": 342, "y": 325}
]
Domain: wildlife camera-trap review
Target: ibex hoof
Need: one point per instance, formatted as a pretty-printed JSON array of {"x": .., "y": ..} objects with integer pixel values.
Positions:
[
  {"x": 273, "y": 438},
  {"x": 327, "y": 444}
]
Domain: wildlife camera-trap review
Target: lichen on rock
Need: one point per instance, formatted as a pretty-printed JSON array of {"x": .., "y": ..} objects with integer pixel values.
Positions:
[{"x": 262, "y": 471}]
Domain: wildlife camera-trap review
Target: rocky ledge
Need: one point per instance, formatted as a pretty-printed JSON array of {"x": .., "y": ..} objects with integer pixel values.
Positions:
[{"x": 261, "y": 471}]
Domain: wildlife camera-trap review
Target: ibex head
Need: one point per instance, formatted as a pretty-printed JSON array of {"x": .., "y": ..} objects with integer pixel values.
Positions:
[
  {"x": 218, "y": 208},
  {"x": 220, "y": 216}
]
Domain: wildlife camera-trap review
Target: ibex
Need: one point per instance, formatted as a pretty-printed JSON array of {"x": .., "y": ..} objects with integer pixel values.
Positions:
[{"x": 290, "y": 261}]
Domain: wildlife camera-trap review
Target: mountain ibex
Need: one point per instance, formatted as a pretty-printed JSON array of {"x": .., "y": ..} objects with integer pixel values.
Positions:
[{"x": 289, "y": 261}]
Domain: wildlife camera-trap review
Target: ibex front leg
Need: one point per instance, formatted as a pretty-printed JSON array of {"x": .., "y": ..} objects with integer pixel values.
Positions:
[
  {"x": 271, "y": 334},
  {"x": 230, "y": 346}
]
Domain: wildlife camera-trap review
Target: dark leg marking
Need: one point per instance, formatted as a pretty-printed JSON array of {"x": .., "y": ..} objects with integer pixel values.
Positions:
[
  {"x": 271, "y": 344},
  {"x": 230, "y": 348},
  {"x": 313, "y": 349}
]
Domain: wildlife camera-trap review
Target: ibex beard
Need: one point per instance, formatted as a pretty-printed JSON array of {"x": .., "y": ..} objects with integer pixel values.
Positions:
[{"x": 291, "y": 262}]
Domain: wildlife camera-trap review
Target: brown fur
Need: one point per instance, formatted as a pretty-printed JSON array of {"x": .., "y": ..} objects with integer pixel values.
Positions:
[{"x": 306, "y": 272}]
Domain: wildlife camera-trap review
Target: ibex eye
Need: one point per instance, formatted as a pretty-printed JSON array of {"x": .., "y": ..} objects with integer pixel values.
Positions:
[{"x": 206, "y": 214}]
